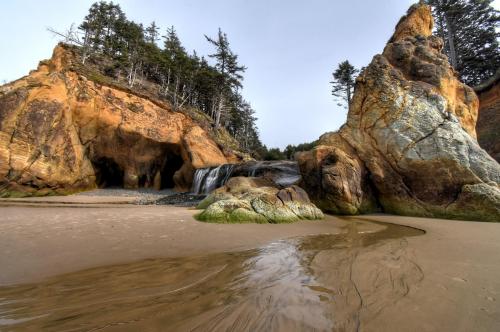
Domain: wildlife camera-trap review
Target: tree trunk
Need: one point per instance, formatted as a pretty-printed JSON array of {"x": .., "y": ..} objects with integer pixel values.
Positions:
[
  {"x": 220, "y": 105},
  {"x": 348, "y": 96},
  {"x": 168, "y": 82},
  {"x": 85, "y": 47},
  {"x": 451, "y": 42}
]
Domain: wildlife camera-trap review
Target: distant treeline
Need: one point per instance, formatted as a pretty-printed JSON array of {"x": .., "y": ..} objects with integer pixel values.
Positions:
[{"x": 287, "y": 153}]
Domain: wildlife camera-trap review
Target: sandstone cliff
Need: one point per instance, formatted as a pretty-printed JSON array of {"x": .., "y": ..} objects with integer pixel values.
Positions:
[
  {"x": 63, "y": 131},
  {"x": 409, "y": 145},
  {"x": 488, "y": 121}
]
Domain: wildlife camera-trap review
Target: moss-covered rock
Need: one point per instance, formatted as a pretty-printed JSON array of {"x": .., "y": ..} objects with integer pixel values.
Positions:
[
  {"x": 256, "y": 200},
  {"x": 241, "y": 215}
]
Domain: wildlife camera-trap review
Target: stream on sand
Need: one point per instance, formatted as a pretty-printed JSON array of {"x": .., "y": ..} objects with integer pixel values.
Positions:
[{"x": 320, "y": 282}]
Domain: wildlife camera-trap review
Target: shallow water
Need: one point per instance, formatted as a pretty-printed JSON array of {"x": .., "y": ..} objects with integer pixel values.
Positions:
[{"x": 321, "y": 283}]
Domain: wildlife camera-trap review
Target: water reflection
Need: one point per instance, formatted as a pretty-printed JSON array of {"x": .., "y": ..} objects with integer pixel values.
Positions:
[{"x": 321, "y": 283}]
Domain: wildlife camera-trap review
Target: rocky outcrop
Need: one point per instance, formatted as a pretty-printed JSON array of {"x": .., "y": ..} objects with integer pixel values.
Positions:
[
  {"x": 249, "y": 199},
  {"x": 488, "y": 122},
  {"x": 409, "y": 143},
  {"x": 62, "y": 131},
  {"x": 336, "y": 178}
]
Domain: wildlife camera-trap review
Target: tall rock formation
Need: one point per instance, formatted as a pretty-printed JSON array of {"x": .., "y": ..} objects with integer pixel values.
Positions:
[
  {"x": 61, "y": 131},
  {"x": 409, "y": 145}
]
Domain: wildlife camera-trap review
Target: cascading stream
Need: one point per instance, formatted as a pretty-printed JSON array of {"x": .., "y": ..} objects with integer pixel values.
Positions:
[
  {"x": 283, "y": 173},
  {"x": 208, "y": 179}
]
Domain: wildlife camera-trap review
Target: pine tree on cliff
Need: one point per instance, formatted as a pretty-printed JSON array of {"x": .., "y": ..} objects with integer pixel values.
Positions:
[
  {"x": 151, "y": 33},
  {"x": 101, "y": 29},
  {"x": 91, "y": 28},
  {"x": 132, "y": 51},
  {"x": 230, "y": 74},
  {"x": 344, "y": 78},
  {"x": 468, "y": 28},
  {"x": 177, "y": 61},
  {"x": 100, "y": 26}
]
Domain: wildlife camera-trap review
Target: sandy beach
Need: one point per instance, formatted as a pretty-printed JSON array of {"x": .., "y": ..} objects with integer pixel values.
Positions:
[
  {"x": 37, "y": 242},
  {"x": 447, "y": 279}
]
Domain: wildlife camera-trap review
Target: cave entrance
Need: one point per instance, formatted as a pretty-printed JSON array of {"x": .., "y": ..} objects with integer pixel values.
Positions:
[
  {"x": 107, "y": 173},
  {"x": 173, "y": 162}
]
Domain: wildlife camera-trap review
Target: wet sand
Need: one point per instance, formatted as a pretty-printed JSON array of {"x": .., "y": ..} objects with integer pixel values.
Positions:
[
  {"x": 362, "y": 276},
  {"x": 38, "y": 242},
  {"x": 460, "y": 289}
]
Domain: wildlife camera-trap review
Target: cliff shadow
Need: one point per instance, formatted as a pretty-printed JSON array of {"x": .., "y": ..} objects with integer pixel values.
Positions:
[{"x": 107, "y": 173}]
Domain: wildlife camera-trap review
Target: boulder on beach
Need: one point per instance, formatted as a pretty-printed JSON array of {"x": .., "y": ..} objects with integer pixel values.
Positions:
[{"x": 250, "y": 199}]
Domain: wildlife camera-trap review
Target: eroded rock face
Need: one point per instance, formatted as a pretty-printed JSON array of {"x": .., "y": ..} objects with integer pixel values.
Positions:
[
  {"x": 62, "y": 132},
  {"x": 335, "y": 177},
  {"x": 412, "y": 126},
  {"x": 250, "y": 199}
]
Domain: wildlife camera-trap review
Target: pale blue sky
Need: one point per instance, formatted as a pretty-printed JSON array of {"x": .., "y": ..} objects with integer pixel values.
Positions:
[{"x": 290, "y": 47}]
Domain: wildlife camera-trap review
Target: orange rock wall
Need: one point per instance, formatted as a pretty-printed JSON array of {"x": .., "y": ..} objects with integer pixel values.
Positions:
[{"x": 55, "y": 124}]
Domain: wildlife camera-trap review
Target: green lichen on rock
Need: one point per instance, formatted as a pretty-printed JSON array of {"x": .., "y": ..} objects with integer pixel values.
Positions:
[
  {"x": 477, "y": 202},
  {"x": 255, "y": 200},
  {"x": 275, "y": 212}
]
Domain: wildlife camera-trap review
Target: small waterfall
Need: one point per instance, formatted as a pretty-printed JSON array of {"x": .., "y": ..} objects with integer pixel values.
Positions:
[
  {"x": 282, "y": 173},
  {"x": 253, "y": 169},
  {"x": 199, "y": 178},
  {"x": 208, "y": 179}
]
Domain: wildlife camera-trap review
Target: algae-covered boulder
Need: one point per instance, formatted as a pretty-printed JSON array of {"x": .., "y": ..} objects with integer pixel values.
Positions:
[{"x": 257, "y": 200}]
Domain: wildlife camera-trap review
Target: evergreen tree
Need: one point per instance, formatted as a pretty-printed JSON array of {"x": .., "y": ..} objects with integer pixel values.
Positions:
[
  {"x": 230, "y": 73},
  {"x": 127, "y": 51},
  {"x": 205, "y": 79},
  {"x": 99, "y": 28},
  {"x": 130, "y": 49},
  {"x": 469, "y": 31},
  {"x": 177, "y": 61},
  {"x": 344, "y": 78},
  {"x": 152, "y": 33},
  {"x": 273, "y": 154},
  {"x": 290, "y": 150}
]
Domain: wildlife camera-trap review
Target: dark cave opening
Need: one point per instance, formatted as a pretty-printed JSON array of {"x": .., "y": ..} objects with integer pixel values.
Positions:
[
  {"x": 108, "y": 173},
  {"x": 173, "y": 162},
  {"x": 150, "y": 168}
]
